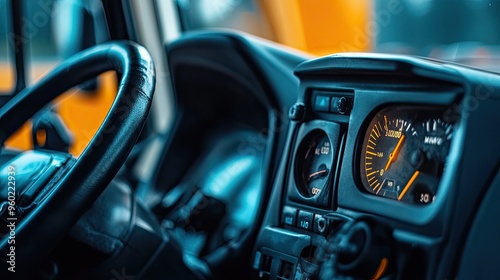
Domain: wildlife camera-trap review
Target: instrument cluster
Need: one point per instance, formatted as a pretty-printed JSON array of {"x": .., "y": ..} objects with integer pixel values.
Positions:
[{"x": 401, "y": 154}]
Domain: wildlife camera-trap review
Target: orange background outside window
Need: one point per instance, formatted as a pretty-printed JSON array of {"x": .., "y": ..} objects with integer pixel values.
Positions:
[
  {"x": 319, "y": 27},
  {"x": 82, "y": 114}
]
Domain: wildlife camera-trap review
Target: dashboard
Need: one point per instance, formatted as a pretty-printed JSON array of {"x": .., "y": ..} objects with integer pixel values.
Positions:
[
  {"x": 373, "y": 166},
  {"x": 376, "y": 180}
]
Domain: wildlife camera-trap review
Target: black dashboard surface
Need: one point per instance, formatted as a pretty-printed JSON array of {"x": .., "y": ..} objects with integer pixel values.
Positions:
[{"x": 232, "y": 94}]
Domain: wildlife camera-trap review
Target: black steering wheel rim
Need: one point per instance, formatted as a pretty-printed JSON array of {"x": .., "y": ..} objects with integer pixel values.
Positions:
[{"x": 70, "y": 196}]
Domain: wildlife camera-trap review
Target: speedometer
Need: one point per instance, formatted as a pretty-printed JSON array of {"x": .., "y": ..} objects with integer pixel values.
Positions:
[{"x": 404, "y": 152}]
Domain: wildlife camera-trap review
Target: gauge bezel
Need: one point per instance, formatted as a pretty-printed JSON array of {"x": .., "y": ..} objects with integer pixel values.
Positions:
[{"x": 333, "y": 131}]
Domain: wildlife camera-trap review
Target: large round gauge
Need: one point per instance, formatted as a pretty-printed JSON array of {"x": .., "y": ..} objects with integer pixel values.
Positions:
[
  {"x": 313, "y": 163},
  {"x": 404, "y": 153}
]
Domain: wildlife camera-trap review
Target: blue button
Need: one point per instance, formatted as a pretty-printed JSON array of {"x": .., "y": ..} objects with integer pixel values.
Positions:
[{"x": 322, "y": 103}]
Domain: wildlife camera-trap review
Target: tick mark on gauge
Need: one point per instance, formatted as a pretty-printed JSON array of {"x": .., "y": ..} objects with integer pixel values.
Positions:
[{"x": 448, "y": 129}]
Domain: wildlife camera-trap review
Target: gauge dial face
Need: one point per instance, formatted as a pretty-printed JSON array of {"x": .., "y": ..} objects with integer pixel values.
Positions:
[
  {"x": 404, "y": 153},
  {"x": 313, "y": 163}
]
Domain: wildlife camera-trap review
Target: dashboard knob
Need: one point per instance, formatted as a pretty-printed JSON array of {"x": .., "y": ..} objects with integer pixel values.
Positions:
[
  {"x": 343, "y": 105},
  {"x": 297, "y": 112},
  {"x": 360, "y": 250}
]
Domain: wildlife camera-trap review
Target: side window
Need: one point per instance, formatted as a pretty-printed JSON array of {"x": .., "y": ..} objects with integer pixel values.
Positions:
[
  {"x": 39, "y": 40},
  {"x": 52, "y": 31},
  {"x": 6, "y": 63},
  {"x": 56, "y": 29}
]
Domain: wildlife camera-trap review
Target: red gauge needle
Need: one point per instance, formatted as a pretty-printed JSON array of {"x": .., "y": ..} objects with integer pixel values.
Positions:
[
  {"x": 321, "y": 172},
  {"x": 394, "y": 154},
  {"x": 412, "y": 179}
]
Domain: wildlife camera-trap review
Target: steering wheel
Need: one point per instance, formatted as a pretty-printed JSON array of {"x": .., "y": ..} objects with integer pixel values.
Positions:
[{"x": 78, "y": 183}]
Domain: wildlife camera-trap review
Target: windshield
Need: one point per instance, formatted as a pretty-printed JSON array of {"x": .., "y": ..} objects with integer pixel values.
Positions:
[{"x": 463, "y": 31}]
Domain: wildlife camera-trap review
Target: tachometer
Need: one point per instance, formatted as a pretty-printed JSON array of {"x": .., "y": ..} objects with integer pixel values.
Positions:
[{"x": 403, "y": 153}]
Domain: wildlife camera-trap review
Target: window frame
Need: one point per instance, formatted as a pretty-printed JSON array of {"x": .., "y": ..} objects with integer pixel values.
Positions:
[{"x": 16, "y": 47}]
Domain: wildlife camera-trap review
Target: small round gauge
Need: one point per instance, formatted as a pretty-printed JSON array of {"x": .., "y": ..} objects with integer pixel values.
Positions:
[
  {"x": 313, "y": 163},
  {"x": 404, "y": 153}
]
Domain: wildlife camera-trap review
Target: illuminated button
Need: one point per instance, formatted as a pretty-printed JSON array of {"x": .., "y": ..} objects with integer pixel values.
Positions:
[
  {"x": 322, "y": 103},
  {"x": 305, "y": 220},
  {"x": 289, "y": 216}
]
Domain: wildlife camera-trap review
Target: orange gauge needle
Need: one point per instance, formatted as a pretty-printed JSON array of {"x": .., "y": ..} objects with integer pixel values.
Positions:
[
  {"x": 412, "y": 179},
  {"x": 394, "y": 154}
]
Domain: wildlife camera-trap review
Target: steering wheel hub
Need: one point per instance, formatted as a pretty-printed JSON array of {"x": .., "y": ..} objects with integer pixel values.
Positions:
[{"x": 25, "y": 177}]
